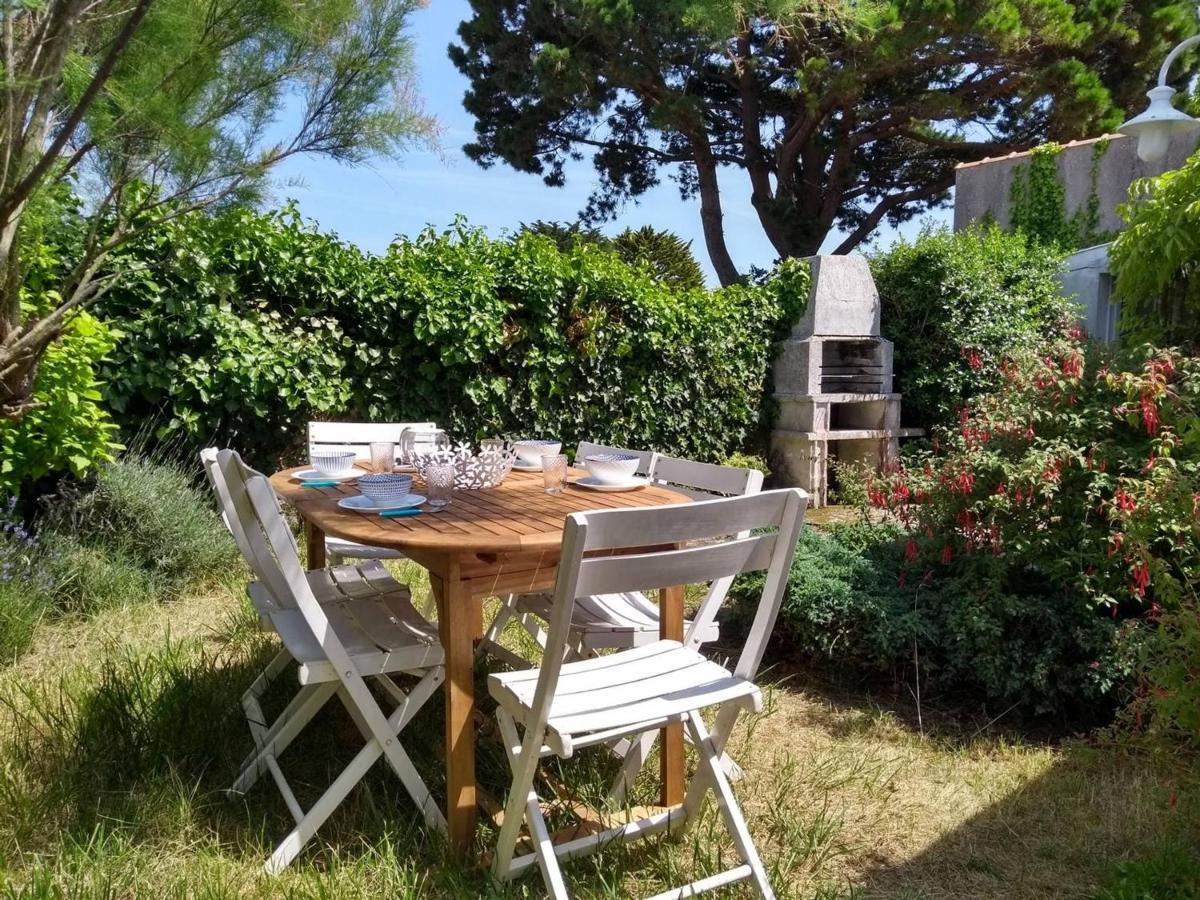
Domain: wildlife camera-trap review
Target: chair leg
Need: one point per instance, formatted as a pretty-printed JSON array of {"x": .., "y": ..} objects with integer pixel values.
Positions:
[
  {"x": 636, "y": 750},
  {"x": 308, "y": 824},
  {"x": 523, "y": 807},
  {"x": 298, "y": 713},
  {"x": 710, "y": 770}
]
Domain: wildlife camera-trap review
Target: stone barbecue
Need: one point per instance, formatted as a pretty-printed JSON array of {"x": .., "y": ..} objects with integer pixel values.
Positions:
[{"x": 833, "y": 382}]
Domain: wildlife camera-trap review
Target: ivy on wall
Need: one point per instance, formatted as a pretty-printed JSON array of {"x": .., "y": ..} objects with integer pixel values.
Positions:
[{"x": 1038, "y": 201}]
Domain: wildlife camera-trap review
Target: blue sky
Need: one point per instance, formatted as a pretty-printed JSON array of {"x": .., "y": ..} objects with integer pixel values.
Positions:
[{"x": 371, "y": 204}]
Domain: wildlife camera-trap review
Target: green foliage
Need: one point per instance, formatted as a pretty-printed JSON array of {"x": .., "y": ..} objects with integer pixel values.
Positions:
[
  {"x": 180, "y": 106},
  {"x": 255, "y": 323},
  {"x": 1171, "y": 873},
  {"x": 67, "y": 429},
  {"x": 138, "y": 530},
  {"x": 647, "y": 88},
  {"x": 955, "y": 304},
  {"x": 1056, "y": 522},
  {"x": 149, "y": 511},
  {"x": 1037, "y": 203},
  {"x": 1156, "y": 259},
  {"x": 666, "y": 255}
]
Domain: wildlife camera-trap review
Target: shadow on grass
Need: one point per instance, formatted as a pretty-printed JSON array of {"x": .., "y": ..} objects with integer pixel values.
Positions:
[{"x": 135, "y": 753}]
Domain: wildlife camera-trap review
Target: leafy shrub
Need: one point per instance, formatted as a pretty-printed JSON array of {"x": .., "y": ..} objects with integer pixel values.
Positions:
[
  {"x": 1057, "y": 519},
  {"x": 253, "y": 324},
  {"x": 67, "y": 429},
  {"x": 955, "y": 304},
  {"x": 1172, "y": 873},
  {"x": 666, "y": 255},
  {"x": 138, "y": 530},
  {"x": 1156, "y": 259},
  {"x": 144, "y": 514}
]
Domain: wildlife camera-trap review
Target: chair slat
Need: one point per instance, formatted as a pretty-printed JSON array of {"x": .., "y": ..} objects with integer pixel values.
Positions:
[
  {"x": 705, "y": 480},
  {"x": 614, "y": 529},
  {"x": 357, "y": 436},
  {"x": 691, "y": 565}
]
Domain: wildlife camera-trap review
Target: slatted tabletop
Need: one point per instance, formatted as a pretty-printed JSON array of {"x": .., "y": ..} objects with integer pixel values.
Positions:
[{"x": 518, "y": 515}]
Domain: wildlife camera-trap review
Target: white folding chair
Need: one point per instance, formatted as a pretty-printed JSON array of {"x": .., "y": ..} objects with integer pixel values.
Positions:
[
  {"x": 527, "y": 608},
  {"x": 630, "y": 619},
  {"x": 338, "y": 644},
  {"x": 332, "y": 585},
  {"x": 563, "y": 706},
  {"x": 357, "y": 436}
]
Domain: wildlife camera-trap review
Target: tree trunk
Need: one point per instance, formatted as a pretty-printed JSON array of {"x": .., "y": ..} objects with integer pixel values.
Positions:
[{"x": 711, "y": 216}]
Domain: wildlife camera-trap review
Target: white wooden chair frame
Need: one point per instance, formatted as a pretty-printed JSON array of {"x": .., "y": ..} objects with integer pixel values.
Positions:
[
  {"x": 329, "y": 670},
  {"x": 508, "y": 604},
  {"x": 357, "y": 436},
  {"x": 590, "y": 711},
  {"x": 700, "y": 481}
]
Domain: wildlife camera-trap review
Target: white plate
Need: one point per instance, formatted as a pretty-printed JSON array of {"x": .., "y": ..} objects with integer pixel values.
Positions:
[
  {"x": 592, "y": 484},
  {"x": 314, "y": 475},
  {"x": 362, "y": 503},
  {"x": 521, "y": 466}
]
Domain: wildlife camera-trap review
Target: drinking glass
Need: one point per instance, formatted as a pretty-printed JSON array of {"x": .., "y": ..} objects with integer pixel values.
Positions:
[
  {"x": 416, "y": 442},
  {"x": 383, "y": 456},
  {"x": 439, "y": 484},
  {"x": 554, "y": 473}
]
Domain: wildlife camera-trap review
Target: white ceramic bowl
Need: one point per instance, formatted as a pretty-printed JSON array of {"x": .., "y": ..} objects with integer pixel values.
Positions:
[
  {"x": 612, "y": 468},
  {"x": 334, "y": 463},
  {"x": 531, "y": 452},
  {"x": 381, "y": 487}
]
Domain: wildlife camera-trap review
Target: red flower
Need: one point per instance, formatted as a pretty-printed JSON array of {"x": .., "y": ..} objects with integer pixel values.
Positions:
[
  {"x": 1150, "y": 415},
  {"x": 1124, "y": 502},
  {"x": 1114, "y": 544},
  {"x": 1141, "y": 579},
  {"x": 947, "y": 555},
  {"x": 910, "y": 550}
]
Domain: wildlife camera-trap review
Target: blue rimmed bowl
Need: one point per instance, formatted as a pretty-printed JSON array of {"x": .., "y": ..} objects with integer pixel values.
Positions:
[
  {"x": 612, "y": 468},
  {"x": 333, "y": 463},
  {"x": 382, "y": 488},
  {"x": 531, "y": 452}
]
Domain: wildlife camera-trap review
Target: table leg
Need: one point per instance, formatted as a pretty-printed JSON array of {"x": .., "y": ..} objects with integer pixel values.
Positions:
[
  {"x": 456, "y": 624},
  {"x": 670, "y": 624},
  {"x": 314, "y": 539}
]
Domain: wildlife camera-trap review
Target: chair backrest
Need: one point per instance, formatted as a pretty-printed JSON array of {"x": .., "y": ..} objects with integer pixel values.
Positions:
[
  {"x": 273, "y": 548},
  {"x": 727, "y": 548},
  {"x": 587, "y": 448},
  {"x": 705, "y": 481},
  {"x": 262, "y": 564},
  {"x": 357, "y": 436}
]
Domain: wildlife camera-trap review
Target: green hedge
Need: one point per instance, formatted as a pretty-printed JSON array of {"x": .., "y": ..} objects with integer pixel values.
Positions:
[
  {"x": 242, "y": 327},
  {"x": 1156, "y": 259},
  {"x": 955, "y": 304}
]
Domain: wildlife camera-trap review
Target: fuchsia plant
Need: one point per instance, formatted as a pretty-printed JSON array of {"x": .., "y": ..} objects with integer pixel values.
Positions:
[{"x": 1083, "y": 469}]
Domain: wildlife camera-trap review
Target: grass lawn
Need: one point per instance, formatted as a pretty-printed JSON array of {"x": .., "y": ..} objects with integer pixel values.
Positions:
[{"x": 118, "y": 732}]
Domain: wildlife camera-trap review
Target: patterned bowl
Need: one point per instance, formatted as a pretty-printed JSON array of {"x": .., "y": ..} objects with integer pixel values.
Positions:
[
  {"x": 384, "y": 488},
  {"x": 334, "y": 463},
  {"x": 531, "y": 452},
  {"x": 612, "y": 468}
]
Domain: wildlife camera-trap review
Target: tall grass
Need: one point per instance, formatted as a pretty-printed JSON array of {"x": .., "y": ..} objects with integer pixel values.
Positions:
[{"x": 141, "y": 529}]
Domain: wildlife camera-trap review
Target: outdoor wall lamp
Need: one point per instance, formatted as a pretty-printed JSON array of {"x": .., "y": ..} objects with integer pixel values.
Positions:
[{"x": 1154, "y": 127}]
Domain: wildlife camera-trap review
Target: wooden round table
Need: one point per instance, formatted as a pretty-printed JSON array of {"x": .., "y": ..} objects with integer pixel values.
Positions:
[{"x": 485, "y": 543}]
